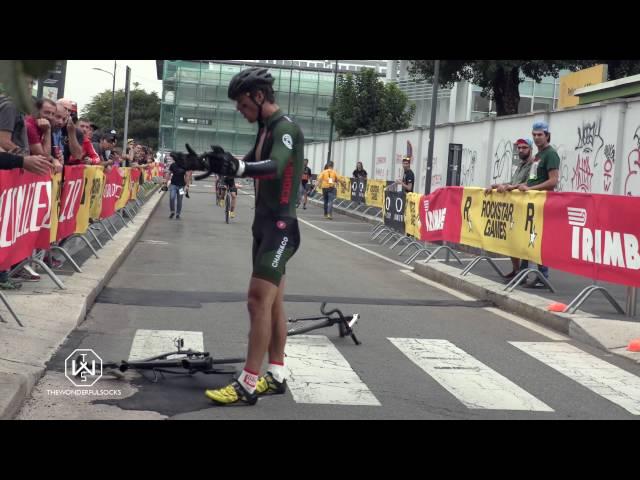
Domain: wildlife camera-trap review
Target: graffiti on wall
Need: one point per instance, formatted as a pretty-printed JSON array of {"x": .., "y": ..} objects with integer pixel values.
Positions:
[
  {"x": 609, "y": 156},
  {"x": 632, "y": 179},
  {"x": 564, "y": 184},
  {"x": 469, "y": 160},
  {"x": 592, "y": 153},
  {"x": 502, "y": 160}
]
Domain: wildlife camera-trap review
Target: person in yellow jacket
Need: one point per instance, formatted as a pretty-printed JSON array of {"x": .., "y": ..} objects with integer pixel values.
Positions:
[{"x": 328, "y": 180}]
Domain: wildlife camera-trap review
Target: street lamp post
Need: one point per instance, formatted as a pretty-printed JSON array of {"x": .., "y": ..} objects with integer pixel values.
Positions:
[
  {"x": 432, "y": 125},
  {"x": 113, "y": 91},
  {"x": 335, "y": 81}
]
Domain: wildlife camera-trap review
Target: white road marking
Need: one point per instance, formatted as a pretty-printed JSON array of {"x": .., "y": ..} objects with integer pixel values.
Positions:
[
  {"x": 607, "y": 380},
  {"x": 469, "y": 380},
  {"x": 149, "y": 343},
  {"x": 320, "y": 374}
]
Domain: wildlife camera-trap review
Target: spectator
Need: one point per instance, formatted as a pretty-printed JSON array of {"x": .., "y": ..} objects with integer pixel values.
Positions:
[
  {"x": 359, "y": 172},
  {"x": 40, "y": 131},
  {"x": 95, "y": 133},
  {"x": 408, "y": 178},
  {"x": 519, "y": 177},
  {"x": 543, "y": 175},
  {"x": 327, "y": 181},
  {"x": 104, "y": 149},
  {"x": 304, "y": 184},
  {"x": 14, "y": 153},
  {"x": 89, "y": 155},
  {"x": 116, "y": 157},
  {"x": 71, "y": 138}
]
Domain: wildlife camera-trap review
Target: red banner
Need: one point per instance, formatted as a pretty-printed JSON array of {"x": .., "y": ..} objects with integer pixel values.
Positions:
[
  {"x": 596, "y": 236},
  {"x": 440, "y": 215},
  {"x": 111, "y": 193},
  {"x": 25, "y": 205},
  {"x": 72, "y": 188},
  {"x": 135, "y": 175}
]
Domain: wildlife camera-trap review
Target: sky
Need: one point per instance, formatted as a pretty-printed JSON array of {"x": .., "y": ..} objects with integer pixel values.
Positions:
[{"x": 82, "y": 83}]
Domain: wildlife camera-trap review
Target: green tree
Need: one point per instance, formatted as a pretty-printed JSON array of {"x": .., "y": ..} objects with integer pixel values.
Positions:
[
  {"x": 364, "y": 104},
  {"x": 499, "y": 79},
  {"x": 144, "y": 115}
]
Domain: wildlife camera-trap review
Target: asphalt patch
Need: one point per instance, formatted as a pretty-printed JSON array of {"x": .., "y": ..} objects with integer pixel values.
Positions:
[{"x": 194, "y": 299}]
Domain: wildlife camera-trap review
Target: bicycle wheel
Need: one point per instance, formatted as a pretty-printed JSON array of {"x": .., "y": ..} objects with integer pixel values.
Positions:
[{"x": 227, "y": 207}]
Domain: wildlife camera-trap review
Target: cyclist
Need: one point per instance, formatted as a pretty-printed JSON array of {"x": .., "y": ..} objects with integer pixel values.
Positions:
[
  {"x": 230, "y": 183},
  {"x": 275, "y": 162}
]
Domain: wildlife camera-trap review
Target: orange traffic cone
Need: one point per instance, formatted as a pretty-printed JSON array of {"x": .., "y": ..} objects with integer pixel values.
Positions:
[
  {"x": 634, "y": 345},
  {"x": 557, "y": 307}
]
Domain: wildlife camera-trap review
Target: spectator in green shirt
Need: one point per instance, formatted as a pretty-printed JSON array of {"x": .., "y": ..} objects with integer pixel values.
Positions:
[{"x": 544, "y": 175}]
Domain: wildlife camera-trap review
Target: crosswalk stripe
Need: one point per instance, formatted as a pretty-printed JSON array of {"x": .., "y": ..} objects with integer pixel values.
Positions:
[
  {"x": 318, "y": 373},
  {"x": 148, "y": 343},
  {"x": 469, "y": 380},
  {"x": 605, "y": 379}
]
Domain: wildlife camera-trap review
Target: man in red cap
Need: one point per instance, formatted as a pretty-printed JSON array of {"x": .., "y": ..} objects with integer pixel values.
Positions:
[{"x": 519, "y": 177}]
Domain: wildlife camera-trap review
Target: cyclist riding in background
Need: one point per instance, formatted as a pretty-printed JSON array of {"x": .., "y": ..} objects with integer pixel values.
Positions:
[
  {"x": 275, "y": 162},
  {"x": 230, "y": 183}
]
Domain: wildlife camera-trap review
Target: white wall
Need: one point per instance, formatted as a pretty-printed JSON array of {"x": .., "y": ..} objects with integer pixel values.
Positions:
[
  {"x": 383, "y": 156},
  {"x": 366, "y": 154},
  {"x": 599, "y": 149},
  {"x": 629, "y": 160},
  {"x": 351, "y": 156},
  {"x": 474, "y": 137}
]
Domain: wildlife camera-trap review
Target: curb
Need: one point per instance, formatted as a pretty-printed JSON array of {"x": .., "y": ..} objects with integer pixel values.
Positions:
[{"x": 18, "y": 379}]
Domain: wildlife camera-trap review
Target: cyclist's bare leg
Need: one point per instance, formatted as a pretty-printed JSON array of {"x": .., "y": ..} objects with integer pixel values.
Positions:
[
  {"x": 233, "y": 201},
  {"x": 278, "y": 328},
  {"x": 262, "y": 295}
]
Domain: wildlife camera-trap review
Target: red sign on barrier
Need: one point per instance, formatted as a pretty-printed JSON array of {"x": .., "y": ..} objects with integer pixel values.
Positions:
[
  {"x": 25, "y": 205},
  {"x": 596, "y": 236},
  {"x": 440, "y": 215},
  {"x": 72, "y": 189},
  {"x": 111, "y": 193}
]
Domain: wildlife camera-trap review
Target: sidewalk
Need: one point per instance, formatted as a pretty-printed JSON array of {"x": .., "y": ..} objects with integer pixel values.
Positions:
[
  {"x": 50, "y": 314},
  {"x": 596, "y": 322}
]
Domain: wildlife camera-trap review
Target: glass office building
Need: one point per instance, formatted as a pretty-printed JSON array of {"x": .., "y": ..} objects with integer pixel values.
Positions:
[{"x": 195, "y": 108}]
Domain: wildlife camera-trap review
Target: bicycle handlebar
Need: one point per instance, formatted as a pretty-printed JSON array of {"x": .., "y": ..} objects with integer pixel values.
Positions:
[{"x": 331, "y": 312}]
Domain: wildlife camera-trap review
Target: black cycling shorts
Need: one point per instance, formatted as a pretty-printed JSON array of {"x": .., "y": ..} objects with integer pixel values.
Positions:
[{"x": 275, "y": 240}]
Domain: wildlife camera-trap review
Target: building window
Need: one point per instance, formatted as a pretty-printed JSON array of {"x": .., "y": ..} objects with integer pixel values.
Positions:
[
  {"x": 544, "y": 104},
  {"x": 525, "y": 105},
  {"x": 480, "y": 104}
]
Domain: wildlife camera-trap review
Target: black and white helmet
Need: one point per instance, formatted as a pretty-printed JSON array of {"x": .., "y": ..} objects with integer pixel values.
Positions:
[{"x": 249, "y": 80}]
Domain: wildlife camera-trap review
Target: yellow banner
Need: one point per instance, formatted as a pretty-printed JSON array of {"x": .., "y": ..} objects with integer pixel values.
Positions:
[
  {"x": 92, "y": 192},
  {"x": 156, "y": 173},
  {"x": 507, "y": 223},
  {"x": 56, "y": 193},
  {"x": 344, "y": 188},
  {"x": 133, "y": 186},
  {"x": 582, "y": 78},
  {"x": 124, "y": 197},
  {"x": 97, "y": 191},
  {"x": 412, "y": 215},
  {"x": 374, "y": 195}
]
